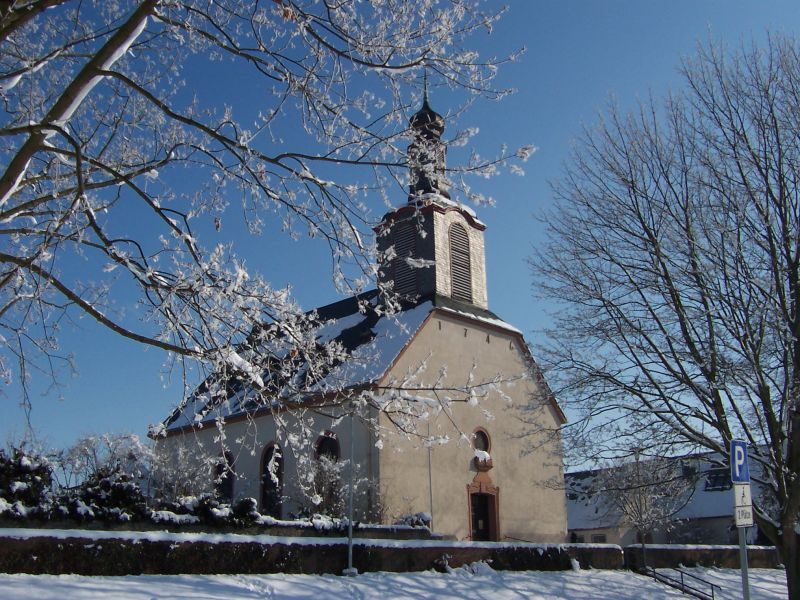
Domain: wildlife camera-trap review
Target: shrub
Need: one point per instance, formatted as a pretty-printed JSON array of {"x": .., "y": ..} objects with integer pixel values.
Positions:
[
  {"x": 25, "y": 481},
  {"x": 420, "y": 519},
  {"x": 109, "y": 495},
  {"x": 245, "y": 512}
]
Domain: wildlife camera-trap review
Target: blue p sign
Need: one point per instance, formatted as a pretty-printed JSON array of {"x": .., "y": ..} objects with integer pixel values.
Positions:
[{"x": 739, "y": 471}]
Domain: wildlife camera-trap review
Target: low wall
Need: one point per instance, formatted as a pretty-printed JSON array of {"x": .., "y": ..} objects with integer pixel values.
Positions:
[
  {"x": 89, "y": 552},
  {"x": 134, "y": 553},
  {"x": 289, "y": 529},
  {"x": 675, "y": 555}
]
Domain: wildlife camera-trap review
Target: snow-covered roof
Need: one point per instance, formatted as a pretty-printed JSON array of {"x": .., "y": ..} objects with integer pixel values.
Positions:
[
  {"x": 494, "y": 321},
  {"x": 367, "y": 339},
  {"x": 588, "y": 508},
  {"x": 433, "y": 201}
]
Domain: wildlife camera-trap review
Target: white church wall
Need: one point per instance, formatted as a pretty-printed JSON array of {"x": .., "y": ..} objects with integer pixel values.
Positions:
[
  {"x": 525, "y": 452},
  {"x": 246, "y": 438}
]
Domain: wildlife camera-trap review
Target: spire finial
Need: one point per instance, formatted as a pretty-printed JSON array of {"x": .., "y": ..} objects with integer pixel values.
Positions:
[{"x": 426, "y": 153}]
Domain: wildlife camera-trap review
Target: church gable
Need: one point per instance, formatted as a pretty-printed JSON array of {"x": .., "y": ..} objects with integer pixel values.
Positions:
[
  {"x": 500, "y": 422},
  {"x": 368, "y": 338},
  {"x": 481, "y": 355}
]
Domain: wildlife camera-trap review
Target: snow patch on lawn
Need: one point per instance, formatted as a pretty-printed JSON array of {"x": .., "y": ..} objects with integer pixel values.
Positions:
[{"x": 471, "y": 581}]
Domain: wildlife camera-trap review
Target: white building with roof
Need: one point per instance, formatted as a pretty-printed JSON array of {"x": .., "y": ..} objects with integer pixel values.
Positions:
[
  {"x": 452, "y": 416},
  {"x": 704, "y": 515}
]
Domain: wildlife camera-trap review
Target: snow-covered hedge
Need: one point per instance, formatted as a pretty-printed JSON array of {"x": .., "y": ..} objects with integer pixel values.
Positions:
[
  {"x": 109, "y": 495},
  {"x": 420, "y": 519},
  {"x": 208, "y": 510},
  {"x": 25, "y": 482},
  {"x": 137, "y": 552}
]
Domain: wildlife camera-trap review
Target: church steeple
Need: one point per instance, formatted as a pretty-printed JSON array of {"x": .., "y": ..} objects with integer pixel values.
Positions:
[
  {"x": 426, "y": 154},
  {"x": 432, "y": 246}
]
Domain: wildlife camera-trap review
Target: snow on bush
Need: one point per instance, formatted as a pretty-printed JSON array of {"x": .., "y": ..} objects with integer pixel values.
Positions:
[
  {"x": 108, "y": 491},
  {"x": 25, "y": 481},
  {"x": 209, "y": 510},
  {"x": 420, "y": 519},
  {"x": 245, "y": 511},
  {"x": 110, "y": 495},
  {"x": 167, "y": 516}
]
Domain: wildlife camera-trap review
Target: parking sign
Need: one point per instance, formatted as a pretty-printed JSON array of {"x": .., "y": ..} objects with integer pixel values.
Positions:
[{"x": 739, "y": 471}]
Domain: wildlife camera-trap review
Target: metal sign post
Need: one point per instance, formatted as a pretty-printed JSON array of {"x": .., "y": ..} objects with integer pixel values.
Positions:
[{"x": 742, "y": 505}]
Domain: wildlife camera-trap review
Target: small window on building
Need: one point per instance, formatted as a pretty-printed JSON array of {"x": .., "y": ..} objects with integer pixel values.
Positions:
[
  {"x": 328, "y": 446},
  {"x": 718, "y": 480},
  {"x": 460, "y": 264},
  {"x": 598, "y": 538},
  {"x": 481, "y": 441}
]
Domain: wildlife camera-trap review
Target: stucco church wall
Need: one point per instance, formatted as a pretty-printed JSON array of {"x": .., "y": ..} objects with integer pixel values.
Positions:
[
  {"x": 526, "y": 464},
  {"x": 246, "y": 440}
]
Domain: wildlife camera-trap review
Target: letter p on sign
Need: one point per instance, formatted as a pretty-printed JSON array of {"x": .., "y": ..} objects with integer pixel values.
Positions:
[{"x": 739, "y": 471}]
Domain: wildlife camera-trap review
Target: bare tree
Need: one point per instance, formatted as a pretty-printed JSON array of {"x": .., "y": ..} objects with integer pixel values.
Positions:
[
  {"x": 108, "y": 110},
  {"x": 647, "y": 493},
  {"x": 674, "y": 253},
  {"x": 91, "y": 454}
]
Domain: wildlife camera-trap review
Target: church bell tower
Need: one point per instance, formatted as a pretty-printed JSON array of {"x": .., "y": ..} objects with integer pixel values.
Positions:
[{"x": 432, "y": 246}]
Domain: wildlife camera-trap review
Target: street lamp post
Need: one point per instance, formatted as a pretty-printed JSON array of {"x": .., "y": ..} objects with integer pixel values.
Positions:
[{"x": 350, "y": 570}]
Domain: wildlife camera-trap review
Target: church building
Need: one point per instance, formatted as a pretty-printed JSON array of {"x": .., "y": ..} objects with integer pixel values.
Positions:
[{"x": 438, "y": 401}]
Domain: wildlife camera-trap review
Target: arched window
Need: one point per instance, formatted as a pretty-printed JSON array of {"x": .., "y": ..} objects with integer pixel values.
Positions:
[
  {"x": 272, "y": 481},
  {"x": 328, "y": 446},
  {"x": 481, "y": 441},
  {"x": 404, "y": 275},
  {"x": 224, "y": 477},
  {"x": 327, "y": 479},
  {"x": 460, "y": 265}
]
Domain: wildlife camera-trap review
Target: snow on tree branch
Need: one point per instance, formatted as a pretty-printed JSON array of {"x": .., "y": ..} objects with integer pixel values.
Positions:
[{"x": 110, "y": 121}]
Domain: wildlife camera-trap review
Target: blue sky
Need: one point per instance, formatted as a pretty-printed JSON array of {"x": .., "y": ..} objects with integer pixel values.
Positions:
[{"x": 579, "y": 55}]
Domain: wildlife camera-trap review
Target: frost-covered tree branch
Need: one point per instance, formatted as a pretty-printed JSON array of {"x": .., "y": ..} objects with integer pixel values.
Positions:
[{"x": 122, "y": 158}]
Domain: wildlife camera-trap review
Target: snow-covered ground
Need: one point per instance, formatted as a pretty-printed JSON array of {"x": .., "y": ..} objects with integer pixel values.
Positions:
[
  {"x": 476, "y": 581},
  {"x": 764, "y": 583}
]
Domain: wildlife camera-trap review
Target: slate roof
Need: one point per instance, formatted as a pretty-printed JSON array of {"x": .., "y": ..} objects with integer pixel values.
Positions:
[{"x": 370, "y": 341}]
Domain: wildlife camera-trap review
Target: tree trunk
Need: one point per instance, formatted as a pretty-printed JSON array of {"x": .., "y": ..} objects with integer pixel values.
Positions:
[
  {"x": 643, "y": 541},
  {"x": 789, "y": 555}
]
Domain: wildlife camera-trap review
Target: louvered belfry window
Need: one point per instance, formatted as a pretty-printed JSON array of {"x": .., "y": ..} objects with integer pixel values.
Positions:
[
  {"x": 405, "y": 245},
  {"x": 460, "y": 266}
]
